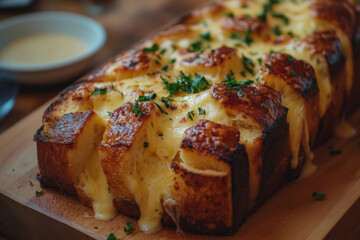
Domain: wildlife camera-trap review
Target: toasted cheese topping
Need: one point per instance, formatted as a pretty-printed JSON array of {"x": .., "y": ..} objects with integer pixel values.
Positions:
[{"x": 226, "y": 44}]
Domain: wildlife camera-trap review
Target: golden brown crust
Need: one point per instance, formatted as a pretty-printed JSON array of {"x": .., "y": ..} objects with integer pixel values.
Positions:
[
  {"x": 337, "y": 12},
  {"x": 327, "y": 44},
  {"x": 211, "y": 58},
  {"x": 260, "y": 103},
  {"x": 300, "y": 76},
  {"x": 120, "y": 135},
  {"x": 211, "y": 203},
  {"x": 211, "y": 139},
  {"x": 196, "y": 16},
  {"x": 53, "y": 146},
  {"x": 242, "y": 24}
]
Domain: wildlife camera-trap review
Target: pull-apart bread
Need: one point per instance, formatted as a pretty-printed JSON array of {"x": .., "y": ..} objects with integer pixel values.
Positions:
[{"x": 199, "y": 125}]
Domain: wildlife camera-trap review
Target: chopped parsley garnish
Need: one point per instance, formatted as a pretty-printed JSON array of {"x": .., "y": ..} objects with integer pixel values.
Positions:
[
  {"x": 157, "y": 62},
  {"x": 109, "y": 113},
  {"x": 290, "y": 58},
  {"x": 318, "y": 196},
  {"x": 263, "y": 105},
  {"x": 173, "y": 60},
  {"x": 160, "y": 108},
  {"x": 146, "y": 144},
  {"x": 248, "y": 64},
  {"x": 259, "y": 61},
  {"x": 186, "y": 83},
  {"x": 206, "y": 36},
  {"x": 99, "y": 91},
  {"x": 137, "y": 110},
  {"x": 153, "y": 48},
  {"x": 277, "y": 31},
  {"x": 195, "y": 46},
  {"x": 201, "y": 111},
  {"x": 335, "y": 152},
  {"x": 245, "y": 38},
  {"x": 165, "y": 67},
  {"x": 232, "y": 84},
  {"x": 112, "y": 237},
  {"x": 266, "y": 8},
  {"x": 191, "y": 114},
  {"x": 280, "y": 16},
  {"x": 226, "y": 146},
  {"x": 147, "y": 97},
  {"x": 268, "y": 67},
  {"x": 172, "y": 87},
  {"x": 293, "y": 73},
  {"x": 290, "y": 33},
  {"x": 39, "y": 193},
  {"x": 163, "y": 51},
  {"x": 96, "y": 227},
  {"x": 229, "y": 14},
  {"x": 167, "y": 101}
]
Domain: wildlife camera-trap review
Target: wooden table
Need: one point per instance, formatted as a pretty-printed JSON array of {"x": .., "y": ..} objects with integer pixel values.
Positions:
[{"x": 127, "y": 22}]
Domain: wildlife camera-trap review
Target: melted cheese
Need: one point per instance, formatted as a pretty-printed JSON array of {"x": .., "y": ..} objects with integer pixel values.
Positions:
[
  {"x": 151, "y": 179},
  {"x": 344, "y": 129}
]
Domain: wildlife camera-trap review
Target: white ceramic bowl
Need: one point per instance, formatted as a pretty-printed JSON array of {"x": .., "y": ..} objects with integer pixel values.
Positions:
[{"x": 83, "y": 28}]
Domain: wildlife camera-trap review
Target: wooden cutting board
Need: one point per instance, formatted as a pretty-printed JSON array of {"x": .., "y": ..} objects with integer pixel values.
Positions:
[{"x": 291, "y": 214}]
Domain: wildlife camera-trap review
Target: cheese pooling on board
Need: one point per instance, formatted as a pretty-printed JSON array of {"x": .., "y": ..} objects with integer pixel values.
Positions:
[{"x": 150, "y": 96}]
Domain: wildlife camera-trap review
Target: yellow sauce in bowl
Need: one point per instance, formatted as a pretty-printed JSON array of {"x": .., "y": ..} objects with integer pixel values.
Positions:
[{"x": 40, "y": 49}]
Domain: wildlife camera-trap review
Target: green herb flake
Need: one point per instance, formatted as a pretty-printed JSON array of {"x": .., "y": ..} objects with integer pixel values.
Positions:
[
  {"x": 206, "y": 36},
  {"x": 290, "y": 58},
  {"x": 226, "y": 146},
  {"x": 293, "y": 73},
  {"x": 268, "y": 67},
  {"x": 277, "y": 31},
  {"x": 163, "y": 51},
  {"x": 146, "y": 98},
  {"x": 137, "y": 110},
  {"x": 195, "y": 46},
  {"x": 232, "y": 84},
  {"x": 318, "y": 196},
  {"x": 167, "y": 101},
  {"x": 259, "y": 60},
  {"x": 172, "y": 61},
  {"x": 248, "y": 64},
  {"x": 263, "y": 105},
  {"x": 96, "y": 227},
  {"x": 266, "y": 8},
  {"x": 191, "y": 114},
  {"x": 39, "y": 193},
  {"x": 146, "y": 144},
  {"x": 99, "y": 91},
  {"x": 280, "y": 16},
  {"x": 161, "y": 110},
  {"x": 153, "y": 48},
  {"x": 335, "y": 152},
  {"x": 157, "y": 62},
  {"x": 165, "y": 67},
  {"x": 109, "y": 113},
  {"x": 112, "y": 237},
  {"x": 201, "y": 111},
  {"x": 229, "y": 14}
]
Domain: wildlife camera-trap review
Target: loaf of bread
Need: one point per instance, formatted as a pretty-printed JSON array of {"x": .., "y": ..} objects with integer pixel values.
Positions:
[{"x": 200, "y": 124}]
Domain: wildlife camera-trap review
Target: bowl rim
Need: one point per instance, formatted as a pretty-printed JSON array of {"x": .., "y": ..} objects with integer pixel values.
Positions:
[{"x": 58, "y": 15}]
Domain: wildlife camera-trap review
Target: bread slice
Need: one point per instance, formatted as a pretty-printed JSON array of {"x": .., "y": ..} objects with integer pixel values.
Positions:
[
  {"x": 296, "y": 81},
  {"x": 68, "y": 159},
  {"x": 261, "y": 119}
]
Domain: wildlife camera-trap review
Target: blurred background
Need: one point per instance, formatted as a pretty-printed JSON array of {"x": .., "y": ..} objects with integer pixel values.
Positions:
[{"x": 125, "y": 21}]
